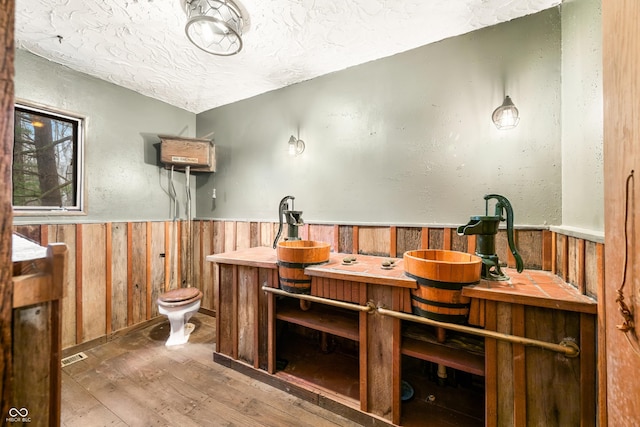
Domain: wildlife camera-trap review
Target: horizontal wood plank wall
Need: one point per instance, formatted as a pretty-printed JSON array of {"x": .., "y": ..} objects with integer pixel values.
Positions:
[{"x": 106, "y": 293}]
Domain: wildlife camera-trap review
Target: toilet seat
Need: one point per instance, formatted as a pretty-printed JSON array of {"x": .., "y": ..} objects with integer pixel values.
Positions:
[
  {"x": 179, "y": 297},
  {"x": 179, "y": 305}
]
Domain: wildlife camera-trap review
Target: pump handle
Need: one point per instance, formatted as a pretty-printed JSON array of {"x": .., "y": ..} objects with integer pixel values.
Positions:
[
  {"x": 281, "y": 207},
  {"x": 503, "y": 203}
]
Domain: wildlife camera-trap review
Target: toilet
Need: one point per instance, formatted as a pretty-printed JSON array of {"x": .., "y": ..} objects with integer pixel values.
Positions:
[{"x": 179, "y": 305}]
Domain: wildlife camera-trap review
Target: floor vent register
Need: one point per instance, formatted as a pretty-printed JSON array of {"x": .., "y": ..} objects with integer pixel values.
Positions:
[{"x": 73, "y": 359}]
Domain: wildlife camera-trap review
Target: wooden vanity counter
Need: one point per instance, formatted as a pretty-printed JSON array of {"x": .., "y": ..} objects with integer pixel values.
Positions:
[
  {"x": 246, "y": 320},
  {"x": 366, "y": 269},
  {"x": 533, "y": 288},
  {"x": 518, "y": 379}
]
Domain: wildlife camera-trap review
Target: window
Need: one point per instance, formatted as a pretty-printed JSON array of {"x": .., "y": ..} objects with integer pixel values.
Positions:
[{"x": 47, "y": 161}]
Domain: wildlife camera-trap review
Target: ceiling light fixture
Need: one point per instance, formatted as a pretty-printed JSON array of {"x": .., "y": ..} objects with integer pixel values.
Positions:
[
  {"x": 296, "y": 146},
  {"x": 214, "y": 26},
  {"x": 506, "y": 116}
]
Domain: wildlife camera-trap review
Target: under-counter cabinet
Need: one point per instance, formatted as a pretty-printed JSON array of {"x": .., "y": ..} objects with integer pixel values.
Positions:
[{"x": 353, "y": 360}]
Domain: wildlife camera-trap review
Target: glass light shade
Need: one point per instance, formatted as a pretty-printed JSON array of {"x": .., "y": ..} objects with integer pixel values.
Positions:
[
  {"x": 296, "y": 146},
  {"x": 506, "y": 116},
  {"x": 215, "y": 26}
]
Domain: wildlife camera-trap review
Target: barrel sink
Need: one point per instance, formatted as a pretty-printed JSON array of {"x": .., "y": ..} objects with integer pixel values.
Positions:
[
  {"x": 293, "y": 256},
  {"x": 441, "y": 275}
]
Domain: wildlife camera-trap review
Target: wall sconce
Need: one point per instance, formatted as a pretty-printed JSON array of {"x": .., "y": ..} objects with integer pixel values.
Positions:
[
  {"x": 506, "y": 116},
  {"x": 296, "y": 146}
]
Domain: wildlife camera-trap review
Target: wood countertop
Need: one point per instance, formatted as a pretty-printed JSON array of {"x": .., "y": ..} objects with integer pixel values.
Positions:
[
  {"x": 366, "y": 269},
  {"x": 533, "y": 288},
  {"x": 262, "y": 257}
]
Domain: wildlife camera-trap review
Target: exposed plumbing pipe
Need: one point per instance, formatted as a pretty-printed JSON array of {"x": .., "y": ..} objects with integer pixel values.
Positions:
[
  {"x": 187, "y": 171},
  {"x": 173, "y": 195},
  {"x": 174, "y": 217}
]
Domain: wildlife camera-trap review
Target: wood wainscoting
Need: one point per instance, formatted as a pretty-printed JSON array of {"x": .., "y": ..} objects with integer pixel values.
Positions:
[{"x": 116, "y": 270}]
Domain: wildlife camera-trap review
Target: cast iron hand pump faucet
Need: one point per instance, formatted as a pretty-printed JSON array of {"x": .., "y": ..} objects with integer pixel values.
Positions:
[
  {"x": 486, "y": 228},
  {"x": 292, "y": 217}
]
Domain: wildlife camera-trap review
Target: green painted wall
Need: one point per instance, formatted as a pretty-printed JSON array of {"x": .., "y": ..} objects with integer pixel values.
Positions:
[
  {"x": 404, "y": 140},
  {"x": 123, "y": 181}
]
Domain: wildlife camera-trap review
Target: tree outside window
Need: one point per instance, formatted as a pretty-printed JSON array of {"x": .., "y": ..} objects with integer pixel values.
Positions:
[{"x": 46, "y": 161}]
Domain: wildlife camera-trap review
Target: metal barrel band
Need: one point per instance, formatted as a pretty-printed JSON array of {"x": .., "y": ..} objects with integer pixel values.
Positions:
[
  {"x": 286, "y": 280},
  {"x": 453, "y": 318},
  {"x": 286, "y": 264},
  {"x": 296, "y": 290},
  {"x": 451, "y": 286},
  {"x": 439, "y": 303}
]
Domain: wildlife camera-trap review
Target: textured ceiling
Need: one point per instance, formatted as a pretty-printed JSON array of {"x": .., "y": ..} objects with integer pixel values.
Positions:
[{"x": 141, "y": 44}]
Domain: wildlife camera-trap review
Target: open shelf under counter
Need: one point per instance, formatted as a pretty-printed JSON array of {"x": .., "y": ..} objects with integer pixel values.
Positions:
[
  {"x": 333, "y": 373},
  {"x": 323, "y": 318},
  {"x": 456, "y": 401},
  {"x": 459, "y": 351}
]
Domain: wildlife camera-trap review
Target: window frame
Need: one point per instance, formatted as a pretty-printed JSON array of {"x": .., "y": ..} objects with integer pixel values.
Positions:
[{"x": 81, "y": 122}]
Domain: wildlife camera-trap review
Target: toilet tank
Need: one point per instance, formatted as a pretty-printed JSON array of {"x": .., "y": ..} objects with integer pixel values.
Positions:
[{"x": 179, "y": 152}]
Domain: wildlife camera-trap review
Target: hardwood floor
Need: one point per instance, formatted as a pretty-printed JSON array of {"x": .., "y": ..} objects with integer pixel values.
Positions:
[{"x": 135, "y": 380}]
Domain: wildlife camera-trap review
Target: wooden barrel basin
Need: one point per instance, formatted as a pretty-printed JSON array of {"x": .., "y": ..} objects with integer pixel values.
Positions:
[
  {"x": 441, "y": 275},
  {"x": 293, "y": 256}
]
